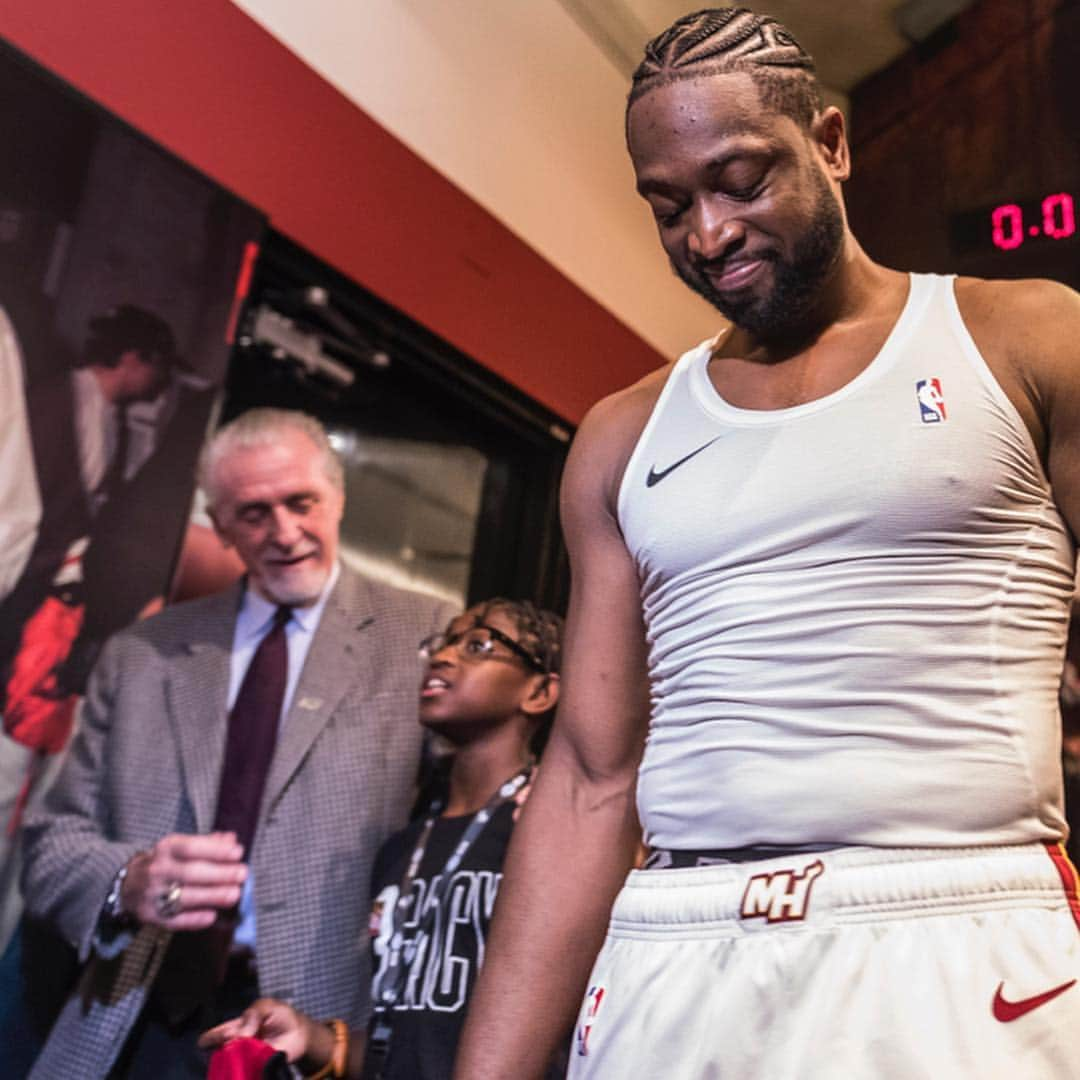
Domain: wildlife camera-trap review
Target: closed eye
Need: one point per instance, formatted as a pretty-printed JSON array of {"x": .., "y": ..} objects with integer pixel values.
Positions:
[
  {"x": 744, "y": 194},
  {"x": 301, "y": 504},
  {"x": 667, "y": 214},
  {"x": 253, "y": 513}
]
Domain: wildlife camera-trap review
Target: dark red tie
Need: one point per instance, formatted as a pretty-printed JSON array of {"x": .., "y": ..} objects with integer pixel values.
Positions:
[
  {"x": 113, "y": 480},
  {"x": 194, "y": 965},
  {"x": 252, "y": 734}
]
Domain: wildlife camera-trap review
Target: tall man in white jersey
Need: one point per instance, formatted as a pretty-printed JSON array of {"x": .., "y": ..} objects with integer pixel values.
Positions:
[{"x": 822, "y": 568}]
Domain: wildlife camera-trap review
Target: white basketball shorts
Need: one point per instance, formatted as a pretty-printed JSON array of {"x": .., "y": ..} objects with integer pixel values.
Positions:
[{"x": 854, "y": 963}]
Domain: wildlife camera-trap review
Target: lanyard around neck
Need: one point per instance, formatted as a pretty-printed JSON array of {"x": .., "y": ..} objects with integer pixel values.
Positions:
[{"x": 400, "y": 953}]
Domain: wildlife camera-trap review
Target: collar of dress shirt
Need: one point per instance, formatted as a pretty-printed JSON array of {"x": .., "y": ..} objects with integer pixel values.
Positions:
[{"x": 256, "y": 612}]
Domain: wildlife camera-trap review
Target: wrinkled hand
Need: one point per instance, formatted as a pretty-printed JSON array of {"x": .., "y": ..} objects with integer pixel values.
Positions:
[
  {"x": 276, "y": 1023},
  {"x": 207, "y": 869}
]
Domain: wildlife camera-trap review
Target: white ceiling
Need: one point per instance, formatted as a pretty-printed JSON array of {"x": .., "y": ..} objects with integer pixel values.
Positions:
[
  {"x": 848, "y": 40},
  {"x": 521, "y": 105}
]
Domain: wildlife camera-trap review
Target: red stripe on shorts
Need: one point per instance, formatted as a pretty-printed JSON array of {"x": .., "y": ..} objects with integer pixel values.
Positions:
[{"x": 1069, "y": 879}]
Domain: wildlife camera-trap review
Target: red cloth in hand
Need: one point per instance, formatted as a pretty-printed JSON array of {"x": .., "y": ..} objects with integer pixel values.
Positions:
[
  {"x": 38, "y": 713},
  {"x": 241, "y": 1059}
]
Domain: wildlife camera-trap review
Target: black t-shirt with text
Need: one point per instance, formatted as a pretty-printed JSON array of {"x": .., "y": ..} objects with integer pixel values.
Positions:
[{"x": 430, "y": 1012}]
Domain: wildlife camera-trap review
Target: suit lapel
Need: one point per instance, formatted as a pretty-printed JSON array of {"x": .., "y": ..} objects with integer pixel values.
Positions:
[
  {"x": 197, "y": 694},
  {"x": 335, "y": 662}
]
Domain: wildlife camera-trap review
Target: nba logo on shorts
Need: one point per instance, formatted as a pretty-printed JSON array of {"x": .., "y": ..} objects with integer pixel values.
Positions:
[
  {"x": 931, "y": 400},
  {"x": 588, "y": 1013}
]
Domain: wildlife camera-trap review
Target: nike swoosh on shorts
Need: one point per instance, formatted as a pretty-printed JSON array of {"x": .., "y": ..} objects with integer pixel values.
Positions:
[{"x": 1007, "y": 1011}]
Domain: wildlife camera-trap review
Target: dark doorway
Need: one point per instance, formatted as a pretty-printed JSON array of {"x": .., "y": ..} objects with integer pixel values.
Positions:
[{"x": 451, "y": 473}]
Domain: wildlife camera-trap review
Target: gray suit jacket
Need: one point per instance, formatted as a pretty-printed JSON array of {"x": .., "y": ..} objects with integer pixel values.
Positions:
[{"x": 147, "y": 762}]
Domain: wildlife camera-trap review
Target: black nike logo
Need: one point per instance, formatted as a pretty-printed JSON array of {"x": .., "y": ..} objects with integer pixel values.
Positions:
[{"x": 655, "y": 477}]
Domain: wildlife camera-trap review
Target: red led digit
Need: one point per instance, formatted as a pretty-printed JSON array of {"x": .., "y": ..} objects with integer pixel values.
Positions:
[
  {"x": 1007, "y": 221},
  {"x": 1059, "y": 216}
]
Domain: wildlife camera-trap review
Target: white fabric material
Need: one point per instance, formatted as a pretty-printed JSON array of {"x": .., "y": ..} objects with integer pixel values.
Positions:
[
  {"x": 856, "y": 612},
  {"x": 20, "y": 501},
  {"x": 20, "y": 516},
  {"x": 96, "y": 428},
  {"x": 891, "y": 974}
]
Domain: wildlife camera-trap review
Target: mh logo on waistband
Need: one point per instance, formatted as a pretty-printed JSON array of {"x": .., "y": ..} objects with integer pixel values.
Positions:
[{"x": 782, "y": 896}]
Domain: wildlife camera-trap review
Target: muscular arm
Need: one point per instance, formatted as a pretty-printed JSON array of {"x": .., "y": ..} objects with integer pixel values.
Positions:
[
  {"x": 1060, "y": 392},
  {"x": 579, "y": 833},
  {"x": 1028, "y": 333}
]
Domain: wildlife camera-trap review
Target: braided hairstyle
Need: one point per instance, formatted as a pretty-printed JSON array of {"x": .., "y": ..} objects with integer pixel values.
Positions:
[
  {"x": 539, "y": 631},
  {"x": 719, "y": 41}
]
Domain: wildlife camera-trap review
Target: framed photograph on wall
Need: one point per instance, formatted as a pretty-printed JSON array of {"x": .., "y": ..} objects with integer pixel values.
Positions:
[{"x": 121, "y": 273}]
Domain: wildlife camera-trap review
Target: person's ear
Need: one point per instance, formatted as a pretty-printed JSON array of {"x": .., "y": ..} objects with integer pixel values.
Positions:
[
  {"x": 542, "y": 696},
  {"x": 830, "y": 133},
  {"x": 339, "y": 509},
  {"x": 219, "y": 529}
]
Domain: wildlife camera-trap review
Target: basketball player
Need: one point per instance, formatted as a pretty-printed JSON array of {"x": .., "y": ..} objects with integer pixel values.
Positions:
[{"x": 834, "y": 546}]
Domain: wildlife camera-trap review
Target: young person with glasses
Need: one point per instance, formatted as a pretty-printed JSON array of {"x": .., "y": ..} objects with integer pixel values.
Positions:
[{"x": 492, "y": 681}]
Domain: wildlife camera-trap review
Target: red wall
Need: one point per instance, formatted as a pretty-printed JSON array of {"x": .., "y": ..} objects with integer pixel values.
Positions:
[{"x": 207, "y": 82}]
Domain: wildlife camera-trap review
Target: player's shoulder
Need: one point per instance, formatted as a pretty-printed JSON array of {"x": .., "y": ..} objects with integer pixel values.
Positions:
[
  {"x": 609, "y": 432},
  {"x": 618, "y": 419},
  {"x": 1021, "y": 312},
  {"x": 1027, "y": 330}
]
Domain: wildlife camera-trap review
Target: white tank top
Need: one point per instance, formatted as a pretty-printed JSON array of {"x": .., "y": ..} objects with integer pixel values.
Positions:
[{"x": 856, "y": 608}]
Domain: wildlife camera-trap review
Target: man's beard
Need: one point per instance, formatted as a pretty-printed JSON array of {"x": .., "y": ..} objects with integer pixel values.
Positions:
[{"x": 797, "y": 283}]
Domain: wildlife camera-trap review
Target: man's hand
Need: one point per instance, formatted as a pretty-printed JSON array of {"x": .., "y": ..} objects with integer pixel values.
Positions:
[
  {"x": 183, "y": 882},
  {"x": 283, "y": 1027}
]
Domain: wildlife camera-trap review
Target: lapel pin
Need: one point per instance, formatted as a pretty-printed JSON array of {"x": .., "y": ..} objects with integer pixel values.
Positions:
[{"x": 310, "y": 703}]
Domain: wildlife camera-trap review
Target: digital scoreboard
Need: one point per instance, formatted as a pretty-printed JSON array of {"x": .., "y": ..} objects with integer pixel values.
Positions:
[{"x": 1012, "y": 226}]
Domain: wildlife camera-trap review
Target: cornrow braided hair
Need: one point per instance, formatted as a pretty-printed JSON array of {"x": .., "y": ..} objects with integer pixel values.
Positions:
[
  {"x": 540, "y": 630},
  {"x": 722, "y": 40}
]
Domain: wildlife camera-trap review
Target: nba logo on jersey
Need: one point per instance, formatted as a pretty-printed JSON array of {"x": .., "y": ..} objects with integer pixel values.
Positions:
[
  {"x": 931, "y": 400},
  {"x": 588, "y": 1014}
]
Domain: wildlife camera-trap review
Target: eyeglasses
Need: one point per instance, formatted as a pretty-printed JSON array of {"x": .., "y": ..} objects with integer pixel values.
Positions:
[{"x": 478, "y": 643}]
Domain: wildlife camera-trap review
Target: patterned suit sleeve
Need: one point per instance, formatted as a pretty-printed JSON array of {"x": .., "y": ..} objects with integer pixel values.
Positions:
[{"x": 69, "y": 860}]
